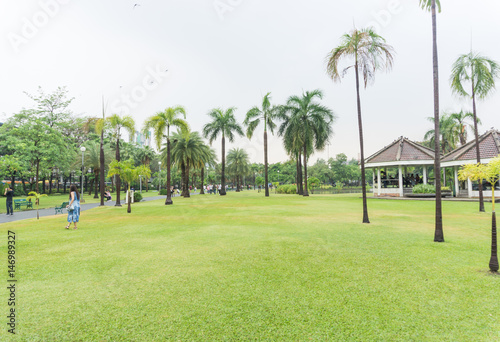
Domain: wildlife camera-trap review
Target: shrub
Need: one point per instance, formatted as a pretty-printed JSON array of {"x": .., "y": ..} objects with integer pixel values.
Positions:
[
  {"x": 163, "y": 192},
  {"x": 137, "y": 196},
  {"x": 445, "y": 188},
  {"x": 289, "y": 189},
  {"x": 424, "y": 189}
]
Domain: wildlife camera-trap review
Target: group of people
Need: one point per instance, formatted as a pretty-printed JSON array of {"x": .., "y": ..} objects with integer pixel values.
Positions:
[
  {"x": 212, "y": 188},
  {"x": 408, "y": 180}
]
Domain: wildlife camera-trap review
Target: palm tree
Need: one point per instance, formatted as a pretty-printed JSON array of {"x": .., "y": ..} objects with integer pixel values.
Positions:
[
  {"x": 238, "y": 165},
  {"x": 267, "y": 114},
  {"x": 146, "y": 155},
  {"x": 308, "y": 124},
  {"x": 481, "y": 72},
  {"x": 162, "y": 122},
  {"x": 117, "y": 123},
  {"x": 93, "y": 160},
  {"x": 187, "y": 152},
  {"x": 460, "y": 120},
  {"x": 449, "y": 130},
  {"x": 434, "y": 6},
  {"x": 223, "y": 123},
  {"x": 208, "y": 157},
  {"x": 366, "y": 48}
]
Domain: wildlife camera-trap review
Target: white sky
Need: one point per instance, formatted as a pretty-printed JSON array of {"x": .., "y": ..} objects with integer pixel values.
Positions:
[{"x": 218, "y": 58}]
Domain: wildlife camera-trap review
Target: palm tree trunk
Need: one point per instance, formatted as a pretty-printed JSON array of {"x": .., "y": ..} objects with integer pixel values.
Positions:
[
  {"x": 494, "y": 258},
  {"x": 37, "y": 173},
  {"x": 222, "y": 191},
  {"x": 96, "y": 176},
  {"x": 168, "y": 201},
  {"x": 118, "y": 181},
  {"x": 438, "y": 233},
  {"x": 129, "y": 200},
  {"x": 50, "y": 183},
  {"x": 202, "y": 176},
  {"x": 265, "y": 164},
  {"x": 476, "y": 137},
  {"x": 301, "y": 183},
  {"x": 306, "y": 193},
  {"x": 361, "y": 146},
  {"x": 186, "y": 181},
  {"x": 101, "y": 167}
]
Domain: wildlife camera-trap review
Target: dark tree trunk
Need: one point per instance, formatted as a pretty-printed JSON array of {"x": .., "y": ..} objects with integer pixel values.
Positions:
[
  {"x": 168, "y": 201},
  {"x": 129, "y": 201},
  {"x": 237, "y": 183},
  {"x": 183, "y": 179},
  {"x": 265, "y": 164},
  {"x": 43, "y": 185},
  {"x": 118, "y": 180},
  {"x": 306, "y": 193},
  {"x": 301, "y": 183},
  {"x": 50, "y": 183},
  {"x": 202, "y": 176},
  {"x": 438, "y": 233},
  {"x": 24, "y": 184},
  {"x": 361, "y": 147},
  {"x": 297, "y": 173},
  {"x": 37, "y": 173},
  {"x": 476, "y": 137},
  {"x": 65, "y": 181},
  {"x": 13, "y": 181},
  {"x": 494, "y": 257},
  {"x": 222, "y": 191},
  {"x": 186, "y": 181},
  {"x": 101, "y": 167},
  {"x": 96, "y": 176}
]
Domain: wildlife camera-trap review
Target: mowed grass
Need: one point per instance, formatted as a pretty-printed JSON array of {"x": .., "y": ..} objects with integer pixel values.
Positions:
[{"x": 246, "y": 267}]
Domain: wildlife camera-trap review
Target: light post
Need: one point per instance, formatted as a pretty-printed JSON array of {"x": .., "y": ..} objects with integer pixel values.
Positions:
[
  {"x": 278, "y": 177},
  {"x": 83, "y": 149},
  {"x": 140, "y": 184},
  {"x": 159, "y": 177}
]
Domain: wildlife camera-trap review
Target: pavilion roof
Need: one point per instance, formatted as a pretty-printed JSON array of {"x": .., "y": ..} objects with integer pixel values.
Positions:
[
  {"x": 489, "y": 147},
  {"x": 402, "y": 150}
]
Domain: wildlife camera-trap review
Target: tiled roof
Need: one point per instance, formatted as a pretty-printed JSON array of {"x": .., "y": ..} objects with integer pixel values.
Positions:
[
  {"x": 489, "y": 147},
  {"x": 402, "y": 150}
]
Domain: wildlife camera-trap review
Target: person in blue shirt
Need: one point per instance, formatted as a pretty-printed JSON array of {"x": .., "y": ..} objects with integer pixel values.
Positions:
[{"x": 73, "y": 215}]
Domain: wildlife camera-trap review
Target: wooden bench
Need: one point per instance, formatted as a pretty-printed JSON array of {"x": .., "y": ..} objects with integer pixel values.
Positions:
[
  {"x": 60, "y": 209},
  {"x": 19, "y": 203}
]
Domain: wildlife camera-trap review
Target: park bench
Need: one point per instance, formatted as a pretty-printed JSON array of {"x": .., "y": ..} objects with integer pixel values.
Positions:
[
  {"x": 60, "y": 209},
  {"x": 19, "y": 203}
]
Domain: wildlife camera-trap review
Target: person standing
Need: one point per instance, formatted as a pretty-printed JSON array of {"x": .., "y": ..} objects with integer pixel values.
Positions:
[
  {"x": 10, "y": 194},
  {"x": 73, "y": 215}
]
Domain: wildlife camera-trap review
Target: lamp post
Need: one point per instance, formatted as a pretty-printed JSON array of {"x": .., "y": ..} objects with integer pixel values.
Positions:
[
  {"x": 159, "y": 177},
  {"x": 83, "y": 149},
  {"x": 140, "y": 184},
  {"x": 278, "y": 177}
]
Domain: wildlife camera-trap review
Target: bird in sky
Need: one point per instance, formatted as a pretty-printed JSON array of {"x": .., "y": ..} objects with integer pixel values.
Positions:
[{"x": 135, "y": 5}]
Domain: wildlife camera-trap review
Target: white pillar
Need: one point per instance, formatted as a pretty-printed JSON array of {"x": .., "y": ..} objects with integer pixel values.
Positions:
[
  {"x": 469, "y": 187},
  {"x": 373, "y": 181},
  {"x": 401, "y": 188},
  {"x": 425, "y": 174},
  {"x": 457, "y": 184},
  {"x": 378, "y": 180},
  {"x": 444, "y": 177}
]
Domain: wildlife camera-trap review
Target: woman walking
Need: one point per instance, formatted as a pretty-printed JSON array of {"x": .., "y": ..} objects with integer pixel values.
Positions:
[{"x": 74, "y": 213}]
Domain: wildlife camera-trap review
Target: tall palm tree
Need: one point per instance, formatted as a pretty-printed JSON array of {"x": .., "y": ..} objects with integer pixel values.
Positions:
[
  {"x": 161, "y": 122},
  {"x": 117, "y": 123},
  {"x": 93, "y": 160},
  {"x": 146, "y": 154},
  {"x": 223, "y": 123},
  {"x": 481, "y": 72},
  {"x": 187, "y": 152},
  {"x": 238, "y": 165},
  {"x": 208, "y": 157},
  {"x": 308, "y": 122},
  {"x": 461, "y": 119},
  {"x": 367, "y": 49},
  {"x": 434, "y": 6},
  {"x": 267, "y": 114}
]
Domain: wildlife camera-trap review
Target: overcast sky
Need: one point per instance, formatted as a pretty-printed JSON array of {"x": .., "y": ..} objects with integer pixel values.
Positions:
[{"x": 223, "y": 53}]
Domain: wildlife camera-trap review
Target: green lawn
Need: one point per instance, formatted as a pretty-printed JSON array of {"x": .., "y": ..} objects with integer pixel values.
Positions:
[{"x": 246, "y": 267}]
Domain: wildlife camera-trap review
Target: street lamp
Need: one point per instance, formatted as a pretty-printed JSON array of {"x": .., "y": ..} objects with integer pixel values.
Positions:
[
  {"x": 140, "y": 184},
  {"x": 159, "y": 177},
  {"x": 83, "y": 149},
  {"x": 278, "y": 177}
]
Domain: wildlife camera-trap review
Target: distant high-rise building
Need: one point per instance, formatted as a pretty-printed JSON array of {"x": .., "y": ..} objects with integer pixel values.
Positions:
[{"x": 142, "y": 139}]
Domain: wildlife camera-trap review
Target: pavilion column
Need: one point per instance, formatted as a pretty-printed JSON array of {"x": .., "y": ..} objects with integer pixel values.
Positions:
[
  {"x": 444, "y": 177},
  {"x": 401, "y": 189},
  {"x": 378, "y": 180},
  {"x": 373, "y": 181},
  {"x": 457, "y": 184},
  {"x": 425, "y": 174}
]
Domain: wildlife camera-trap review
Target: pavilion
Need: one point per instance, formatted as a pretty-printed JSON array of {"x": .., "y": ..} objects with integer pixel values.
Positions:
[
  {"x": 400, "y": 154},
  {"x": 489, "y": 147}
]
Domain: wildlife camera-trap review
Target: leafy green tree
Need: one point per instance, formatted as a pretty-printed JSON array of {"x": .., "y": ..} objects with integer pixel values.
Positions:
[
  {"x": 238, "y": 165},
  {"x": 9, "y": 166},
  {"x": 160, "y": 123},
  {"x": 222, "y": 123},
  {"x": 117, "y": 123},
  {"x": 367, "y": 49},
  {"x": 129, "y": 173},
  {"x": 266, "y": 114},
  {"x": 489, "y": 172},
  {"x": 307, "y": 124},
  {"x": 434, "y": 6},
  {"x": 481, "y": 73}
]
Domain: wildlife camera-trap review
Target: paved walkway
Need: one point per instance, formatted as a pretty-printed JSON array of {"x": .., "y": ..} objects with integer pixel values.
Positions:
[{"x": 29, "y": 214}]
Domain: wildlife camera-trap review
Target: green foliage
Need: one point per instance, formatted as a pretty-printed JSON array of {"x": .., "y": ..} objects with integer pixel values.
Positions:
[
  {"x": 259, "y": 181},
  {"x": 424, "y": 189},
  {"x": 137, "y": 196},
  {"x": 163, "y": 192},
  {"x": 313, "y": 183},
  {"x": 288, "y": 189}
]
